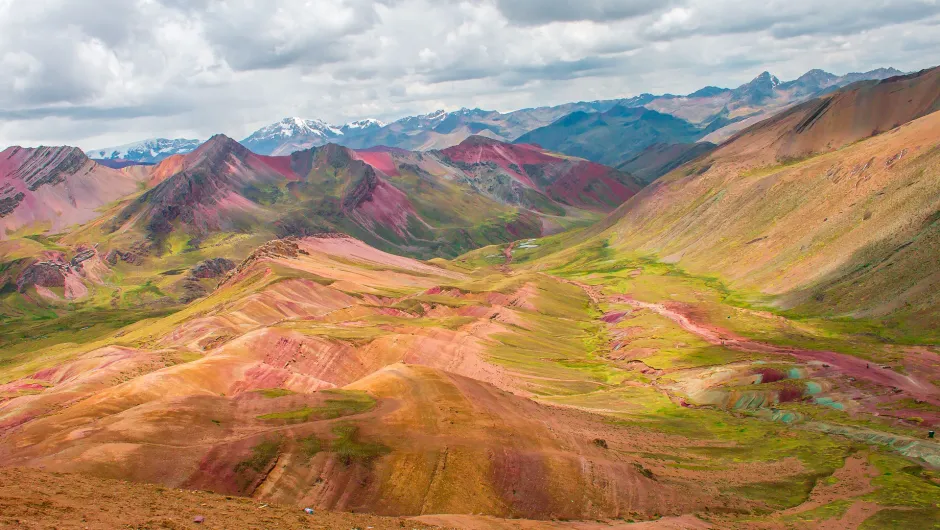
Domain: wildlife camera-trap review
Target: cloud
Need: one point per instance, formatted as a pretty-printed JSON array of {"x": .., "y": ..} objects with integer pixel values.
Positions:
[
  {"x": 115, "y": 71},
  {"x": 535, "y": 12},
  {"x": 784, "y": 19},
  {"x": 251, "y": 35}
]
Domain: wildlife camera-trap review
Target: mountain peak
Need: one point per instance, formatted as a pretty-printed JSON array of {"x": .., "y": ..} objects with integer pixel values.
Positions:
[
  {"x": 816, "y": 75},
  {"x": 707, "y": 92},
  {"x": 219, "y": 144},
  {"x": 477, "y": 139},
  {"x": 219, "y": 139},
  {"x": 758, "y": 90},
  {"x": 294, "y": 126},
  {"x": 766, "y": 77},
  {"x": 362, "y": 125}
]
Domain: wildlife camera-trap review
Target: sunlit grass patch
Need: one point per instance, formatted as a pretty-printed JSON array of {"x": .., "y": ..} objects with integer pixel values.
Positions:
[
  {"x": 261, "y": 455},
  {"x": 342, "y": 403},
  {"x": 272, "y": 393},
  {"x": 350, "y": 448}
]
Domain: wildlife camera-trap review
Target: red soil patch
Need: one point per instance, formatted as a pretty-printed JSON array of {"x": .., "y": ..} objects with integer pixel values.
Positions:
[
  {"x": 281, "y": 164},
  {"x": 510, "y": 157},
  {"x": 790, "y": 393},
  {"x": 614, "y": 316},
  {"x": 771, "y": 375},
  {"x": 166, "y": 169},
  {"x": 380, "y": 160},
  {"x": 386, "y": 206},
  {"x": 587, "y": 179}
]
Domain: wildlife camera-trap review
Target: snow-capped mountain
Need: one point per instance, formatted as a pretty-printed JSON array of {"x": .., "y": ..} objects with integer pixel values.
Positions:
[
  {"x": 291, "y": 133},
  {"x": 295, "y": 134},
  {"x": 146, "y": 151},
  {"x": 358, "y": 126},
  {"x": 423, "y": 121}
]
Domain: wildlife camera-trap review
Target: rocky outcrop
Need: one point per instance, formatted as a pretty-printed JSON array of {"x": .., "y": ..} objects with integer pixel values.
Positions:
[
  {"x": 43, "y": 274},
  {"x": 83, "y": 254},
  {"x": 212, "y": 268},
  {"x": 366, "y": 184},
  {"x": 278, "y": 248},
  {"x": 9, "y": 200},
  {"x": 48, "y": 165},
  {"x": 134, "y": 256}
]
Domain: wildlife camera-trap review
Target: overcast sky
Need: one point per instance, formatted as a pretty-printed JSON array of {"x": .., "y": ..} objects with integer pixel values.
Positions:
[{"x": 97, "y": 73}]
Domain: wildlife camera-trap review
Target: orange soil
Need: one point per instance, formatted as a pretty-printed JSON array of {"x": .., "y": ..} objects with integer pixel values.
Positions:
[{"x": 32, "y": 500}]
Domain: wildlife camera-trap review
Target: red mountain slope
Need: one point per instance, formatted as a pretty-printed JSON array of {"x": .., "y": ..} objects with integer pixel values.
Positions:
[
  {"x": 567, "y": 180},
  {"x": 204, "y": 193}
]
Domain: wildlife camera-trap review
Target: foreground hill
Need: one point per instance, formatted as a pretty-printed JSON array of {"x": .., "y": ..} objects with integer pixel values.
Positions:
[
  {"x": 51, "y": 188},
  {"x": 322, "y": 372},
  {"x": 807, "y": 206},
  {"x": 32, "y": 499}
]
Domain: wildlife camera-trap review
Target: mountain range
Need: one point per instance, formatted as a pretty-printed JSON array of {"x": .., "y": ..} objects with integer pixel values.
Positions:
[
  {"x": 433, "y": 203},
  {"x": 491, "y": 334},
  {"x": 715, "y": 112},
  {"x": 708, "y": 115}
]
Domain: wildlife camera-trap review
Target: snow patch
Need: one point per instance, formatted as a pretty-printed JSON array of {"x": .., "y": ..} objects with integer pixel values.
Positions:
[{"x": 151, "y": 150}]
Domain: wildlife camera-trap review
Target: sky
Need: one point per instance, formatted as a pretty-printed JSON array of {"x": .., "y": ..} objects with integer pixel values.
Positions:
[{"x": 96, "y": 73}]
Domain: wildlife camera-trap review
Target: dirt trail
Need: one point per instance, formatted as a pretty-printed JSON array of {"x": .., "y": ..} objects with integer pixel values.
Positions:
[
  {"x": 507, "y": 253},
  {"x": 846, "y": 364}
]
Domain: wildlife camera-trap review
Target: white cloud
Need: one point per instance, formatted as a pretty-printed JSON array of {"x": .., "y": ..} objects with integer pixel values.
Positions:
[{"x": 101, "y": 72}]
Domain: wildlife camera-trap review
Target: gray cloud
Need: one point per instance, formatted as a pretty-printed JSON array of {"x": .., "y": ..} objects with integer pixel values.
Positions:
[
  {"x": 96, "y": 73},
  {"x": 87, "y": 112},
  {"x": 535, "y": 12}
]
